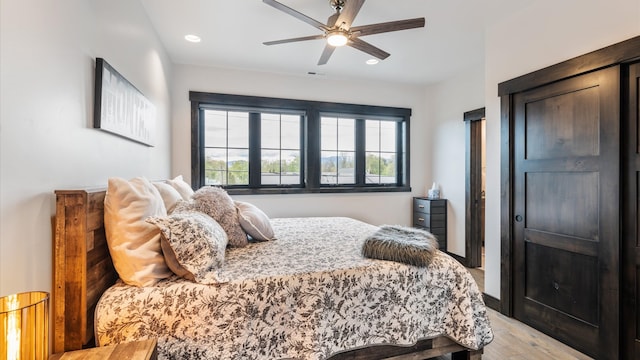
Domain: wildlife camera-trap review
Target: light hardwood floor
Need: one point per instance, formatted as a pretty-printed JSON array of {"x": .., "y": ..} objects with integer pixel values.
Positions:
[{"x": 515, "y": 340}]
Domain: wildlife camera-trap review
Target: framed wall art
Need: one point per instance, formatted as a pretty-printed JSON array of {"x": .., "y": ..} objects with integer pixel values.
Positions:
[{"x": 120, "y": 108}]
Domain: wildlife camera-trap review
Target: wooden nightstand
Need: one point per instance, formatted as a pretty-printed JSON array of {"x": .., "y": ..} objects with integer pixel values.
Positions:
[
  {"x": 431, "y": 215},
  {"x": 137, "y": 350}
]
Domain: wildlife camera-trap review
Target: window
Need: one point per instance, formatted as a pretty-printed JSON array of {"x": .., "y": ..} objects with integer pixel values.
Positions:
[
  {"x": 229, "y": 158},
  {"x": 381, "y": 152},
  {"x": 280, "y": 152},
  {"x": 338, "y": 150},
  {"x": 226, "y": 147},
  {"x": 267, "y": 145}
]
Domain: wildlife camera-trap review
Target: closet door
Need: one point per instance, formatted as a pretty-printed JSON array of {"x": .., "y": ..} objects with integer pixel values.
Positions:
[
  {"x": 630, "y": 218},
  {"x": 566, "y": 201}
]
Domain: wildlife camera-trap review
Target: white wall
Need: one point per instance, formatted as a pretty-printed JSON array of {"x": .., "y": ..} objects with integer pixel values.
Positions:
[
  {"x": 47, "y": 52},
  {"x": 545, "y": 33},
  {"x": 376, "y": 208},
  {"x": 447, "y": 102}
]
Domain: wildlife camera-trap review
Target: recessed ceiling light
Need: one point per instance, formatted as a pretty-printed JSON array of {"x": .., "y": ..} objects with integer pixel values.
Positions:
[
  {"x": 372, "y": 61},
  {"x": 192, "y": 38}
]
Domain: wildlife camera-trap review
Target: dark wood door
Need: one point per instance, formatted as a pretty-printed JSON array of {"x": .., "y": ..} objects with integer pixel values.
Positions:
[
  {"x": 631, "y": 217},
  {"x": 566, "y": 202},
  {"x": 474, "y": 194}
]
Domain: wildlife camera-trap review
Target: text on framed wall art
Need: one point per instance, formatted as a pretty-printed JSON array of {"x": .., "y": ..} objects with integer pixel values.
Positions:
[{"x": 120, "y": 108}]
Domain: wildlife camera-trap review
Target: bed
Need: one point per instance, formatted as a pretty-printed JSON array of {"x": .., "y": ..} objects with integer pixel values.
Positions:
[{"x": 84, "y": 279}]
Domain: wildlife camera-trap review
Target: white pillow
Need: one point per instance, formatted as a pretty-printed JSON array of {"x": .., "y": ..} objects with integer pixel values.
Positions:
[
  {"x": 254, "y": 221},
  {"x": 193, "y": 244},
  {"x": 183, "y": 188},
  {"x": 134, "y": 244},
  {"x": 169, "y": 194}
]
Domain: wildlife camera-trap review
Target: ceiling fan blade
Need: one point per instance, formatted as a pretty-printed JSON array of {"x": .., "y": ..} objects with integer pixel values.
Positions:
[
  {"x": 326, "y": 54},
  {"x": 351, "y": 9},
  {"x": 296, "y": 14},
  {"x": 332, "y": 20},
  {"x": 303, "y": 38},
  {"x": 368, "y": 48},
  {"x": 387, "y": 27}
]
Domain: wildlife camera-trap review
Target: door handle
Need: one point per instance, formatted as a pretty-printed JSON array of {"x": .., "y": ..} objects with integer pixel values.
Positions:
[{"x": 518, "y": 218}]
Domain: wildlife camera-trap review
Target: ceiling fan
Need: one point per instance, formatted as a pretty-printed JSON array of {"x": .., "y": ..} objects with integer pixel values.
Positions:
[{"x": 338, "y": 30}]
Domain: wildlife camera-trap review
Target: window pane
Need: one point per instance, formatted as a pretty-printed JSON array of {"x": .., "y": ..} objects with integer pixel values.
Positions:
[
  {"x": 346, "y": 135},
  {"x": 215, "y": 167},
  {"x": 270, "y": 131},
  {"x": 291, "y": 163},
  {"x": 388, "y": 136},
  {"x": 372, "y": 139},
  {"x": 291, "y": 132},
  {"x": 329, "y": 133},
  {"x": 329, "y": 167},
  {"x": 215, "y": 125},
  {"x": 380, "y": 168},
  {"x": 238, "y": 167},
  {"x": 338, "y": 168},
  {"x": 346, "y": 168},
  {"x": 270, "y": 161},
  {"x": 238, "y": 125},
  {"x": 388, "y": 168}
]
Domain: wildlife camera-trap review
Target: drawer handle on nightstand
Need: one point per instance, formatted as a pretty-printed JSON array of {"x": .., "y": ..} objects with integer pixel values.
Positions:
[
  {"x": 420, "y": 219},
  {"x": 421, "y": 206}
]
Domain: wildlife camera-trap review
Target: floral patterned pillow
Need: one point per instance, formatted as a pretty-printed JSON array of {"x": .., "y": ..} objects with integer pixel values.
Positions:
[{"x": 193, "y": 245}]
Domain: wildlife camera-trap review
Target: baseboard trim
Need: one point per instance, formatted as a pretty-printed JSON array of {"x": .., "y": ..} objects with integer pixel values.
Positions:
[{"x": 491, "y": 302}]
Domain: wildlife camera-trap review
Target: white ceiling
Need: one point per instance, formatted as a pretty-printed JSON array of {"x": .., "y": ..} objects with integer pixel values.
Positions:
[{"x": 233, "y": 31}]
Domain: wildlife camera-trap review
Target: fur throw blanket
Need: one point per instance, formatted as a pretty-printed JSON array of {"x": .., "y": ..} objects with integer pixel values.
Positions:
[{"x": 403, "y": 244}]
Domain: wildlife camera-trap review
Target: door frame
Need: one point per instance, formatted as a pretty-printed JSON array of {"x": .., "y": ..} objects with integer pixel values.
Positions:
[
  {"x": 620, "y": 53},
  {"x": 473, "y": 187}
]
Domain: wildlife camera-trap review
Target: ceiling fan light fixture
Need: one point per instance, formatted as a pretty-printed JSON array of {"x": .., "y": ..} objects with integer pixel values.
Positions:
[{"x": 337, "y": 38}]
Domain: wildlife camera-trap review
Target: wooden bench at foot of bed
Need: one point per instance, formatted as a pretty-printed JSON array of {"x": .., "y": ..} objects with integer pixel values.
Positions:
[{"x": 83, "y": 271}]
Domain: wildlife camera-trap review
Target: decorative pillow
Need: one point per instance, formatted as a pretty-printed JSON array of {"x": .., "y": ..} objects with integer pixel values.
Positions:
[
  {"x": 183, "y": 206},
  {"x": 182, "y": 187},
  {"x": 169, "y": 194},
  {"x": 215, "y": 202},
  {"x": 133, "y": 243},
  {"x": 193, "y": 244},
  {"x": 254, "y": 221},
  {"x": 400, "y": 243}
]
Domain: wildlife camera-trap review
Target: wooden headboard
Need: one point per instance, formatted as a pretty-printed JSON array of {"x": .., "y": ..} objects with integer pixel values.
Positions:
[{"x": 82, "y": 266}]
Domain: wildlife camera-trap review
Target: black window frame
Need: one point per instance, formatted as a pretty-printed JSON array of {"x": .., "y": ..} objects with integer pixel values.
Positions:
[{"x": 310, "y": 142}]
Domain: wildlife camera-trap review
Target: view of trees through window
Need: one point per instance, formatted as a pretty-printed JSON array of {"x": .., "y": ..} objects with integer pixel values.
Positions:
[
  {"x": 227, "y": 150},
  {"x": 226, "y": 147},
  {"x": 338, "y": 146},
  {"x": 380, "y": 147},
  {"x": 262, "y": 145},
  {"x": 338, "y": 149},
  {"x": 280, "y": 149}
]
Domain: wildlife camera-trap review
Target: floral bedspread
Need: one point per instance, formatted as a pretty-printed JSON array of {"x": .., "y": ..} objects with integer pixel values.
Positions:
[{"x": 307, "y": 295}]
